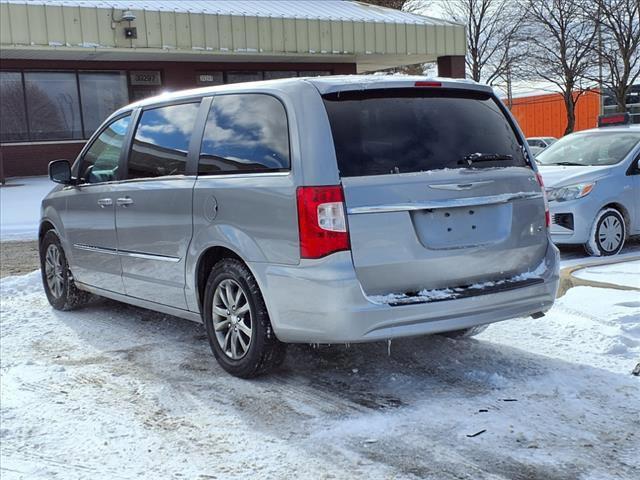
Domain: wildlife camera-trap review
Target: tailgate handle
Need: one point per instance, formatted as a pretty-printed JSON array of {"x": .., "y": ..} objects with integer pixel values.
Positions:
[{"x": 453, "y": 203}]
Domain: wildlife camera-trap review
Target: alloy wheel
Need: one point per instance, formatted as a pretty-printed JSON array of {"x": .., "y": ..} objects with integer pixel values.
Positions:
[
  {"x": 232, "y": 319},
  {"x": 54, "y": 271}
]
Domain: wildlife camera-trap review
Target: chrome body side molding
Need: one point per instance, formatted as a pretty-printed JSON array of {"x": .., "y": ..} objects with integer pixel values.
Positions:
[{"x": 125, "y": 253}]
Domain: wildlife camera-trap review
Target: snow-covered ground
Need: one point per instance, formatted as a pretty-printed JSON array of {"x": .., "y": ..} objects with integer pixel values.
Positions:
[
  {"x": 20, "y": 207},
  {"x": 625, "y": 273},
  {"x": 112, "y": 391}
]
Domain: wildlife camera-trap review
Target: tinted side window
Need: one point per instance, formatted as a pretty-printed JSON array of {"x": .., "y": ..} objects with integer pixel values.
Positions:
[
  {"x": 100, "y": 163},
  {"x": 245, "y": 133},
  {"x": 161, "y": 142}
]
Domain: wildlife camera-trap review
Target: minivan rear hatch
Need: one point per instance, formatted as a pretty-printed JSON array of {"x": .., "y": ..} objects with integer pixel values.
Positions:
[{"x": 437, "y": 188}]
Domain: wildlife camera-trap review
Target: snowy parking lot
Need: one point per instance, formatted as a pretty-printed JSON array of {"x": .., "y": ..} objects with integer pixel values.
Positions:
[{"x": 113, "y": 391}]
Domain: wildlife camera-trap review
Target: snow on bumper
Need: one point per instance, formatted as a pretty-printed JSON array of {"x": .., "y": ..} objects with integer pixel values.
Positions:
[{"x": 322, "y": 301}]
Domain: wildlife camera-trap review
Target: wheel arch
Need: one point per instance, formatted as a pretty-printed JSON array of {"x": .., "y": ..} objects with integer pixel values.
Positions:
[
  {"x": 207, "y": 259},
  {"x": 45, "y": 226}
]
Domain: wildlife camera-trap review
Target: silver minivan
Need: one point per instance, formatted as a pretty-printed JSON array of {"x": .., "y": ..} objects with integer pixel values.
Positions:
[{"x": 324, "y": 210}]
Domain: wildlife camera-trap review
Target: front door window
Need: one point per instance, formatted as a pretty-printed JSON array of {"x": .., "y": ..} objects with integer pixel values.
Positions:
[{"x": 100, "y": 163}]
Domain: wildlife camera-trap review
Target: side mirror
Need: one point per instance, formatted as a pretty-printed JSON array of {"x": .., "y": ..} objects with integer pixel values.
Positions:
[
  {"x": 60, "y": 172},
  {"x": 638, "y": 165}
]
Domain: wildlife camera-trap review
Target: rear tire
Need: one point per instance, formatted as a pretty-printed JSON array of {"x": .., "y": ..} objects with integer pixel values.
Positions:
[
  {"x": 607, "y": 234},
  {"x": 465, "y": 332},
  {"x": 237, "y": 322},
  {"x": 57, "y": 279}
]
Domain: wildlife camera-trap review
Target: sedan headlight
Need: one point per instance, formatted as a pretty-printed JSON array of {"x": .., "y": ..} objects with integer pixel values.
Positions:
[{"x": 570, "y": 192}]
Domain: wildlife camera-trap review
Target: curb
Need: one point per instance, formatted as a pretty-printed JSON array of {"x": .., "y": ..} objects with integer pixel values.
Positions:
[{"x": 567, "y": 280}]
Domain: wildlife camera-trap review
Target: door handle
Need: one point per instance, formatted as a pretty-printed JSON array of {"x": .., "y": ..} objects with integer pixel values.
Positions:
[
  {"x": 105, "y": 202},
  {"x": 124, "y": 201}
]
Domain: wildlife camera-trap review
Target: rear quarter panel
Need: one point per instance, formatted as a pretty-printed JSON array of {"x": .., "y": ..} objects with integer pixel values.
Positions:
[{"x": 255, "y": 215}]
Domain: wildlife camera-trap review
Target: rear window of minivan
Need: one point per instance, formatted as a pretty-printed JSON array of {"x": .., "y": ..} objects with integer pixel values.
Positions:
[{"x": 386, "y": 131}]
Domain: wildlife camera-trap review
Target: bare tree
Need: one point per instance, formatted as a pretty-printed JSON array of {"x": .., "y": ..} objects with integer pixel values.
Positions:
[
  {"x": 492, "y": 34},
  {"x": 412, "y": 6},
  {"x": 396, "y": 4},
  {"x": 619, "y": 45},
  {"x": 562, "y": 39}
]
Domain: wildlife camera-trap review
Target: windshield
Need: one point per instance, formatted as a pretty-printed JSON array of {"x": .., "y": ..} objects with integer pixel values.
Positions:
[
  {"x": 590, "y": 149},
  {"x": 378, "y": 132}
]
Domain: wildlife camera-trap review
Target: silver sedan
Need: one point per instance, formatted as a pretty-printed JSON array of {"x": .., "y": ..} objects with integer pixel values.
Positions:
[{"x": 592, "y": 180}]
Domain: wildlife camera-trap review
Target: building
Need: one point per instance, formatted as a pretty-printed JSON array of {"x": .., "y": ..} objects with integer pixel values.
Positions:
[
  {"x": 66, "y": 65},
  {"x": 544, "y": 114},
  {"x": 632, "y": 101}
]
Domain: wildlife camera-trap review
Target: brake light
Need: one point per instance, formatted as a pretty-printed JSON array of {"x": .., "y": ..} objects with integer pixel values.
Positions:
[
  {"x": 547, "y": 214},
  {"x": 614, "y": 119},
  {"x": 423, "y": 83},
  {"x": 322, "y": 221}
]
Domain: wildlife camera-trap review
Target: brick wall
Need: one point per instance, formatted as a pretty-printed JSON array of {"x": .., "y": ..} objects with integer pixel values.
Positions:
[{"x": 26, "y": 160}]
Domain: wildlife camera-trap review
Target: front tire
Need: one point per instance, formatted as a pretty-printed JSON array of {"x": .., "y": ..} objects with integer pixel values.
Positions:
[
  {"x": 607, "y": 234},
  {"x": 237, "y": 322},
  {"x": 57, "y": 280}
]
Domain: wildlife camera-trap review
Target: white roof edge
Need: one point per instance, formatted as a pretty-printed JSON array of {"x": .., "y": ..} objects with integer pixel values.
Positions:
[{"x": 335, "y": 10}]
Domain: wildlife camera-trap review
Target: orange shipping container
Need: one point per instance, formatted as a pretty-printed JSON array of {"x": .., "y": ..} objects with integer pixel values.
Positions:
[{"x": 545, "y": 115}]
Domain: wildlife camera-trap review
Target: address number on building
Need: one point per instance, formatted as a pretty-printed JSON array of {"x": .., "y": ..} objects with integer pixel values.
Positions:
[
  {"x": 210, "y": 78},
  {"x": 145, "y": 78}
]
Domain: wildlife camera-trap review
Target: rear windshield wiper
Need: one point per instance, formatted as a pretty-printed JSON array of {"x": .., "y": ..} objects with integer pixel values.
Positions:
[
  {"x": 570, "y": 164},
  {"x": 484, "y": 157}
]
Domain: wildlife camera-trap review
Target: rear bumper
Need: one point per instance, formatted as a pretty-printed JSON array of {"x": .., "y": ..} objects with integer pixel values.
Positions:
[{"x": 321, "y": 301}]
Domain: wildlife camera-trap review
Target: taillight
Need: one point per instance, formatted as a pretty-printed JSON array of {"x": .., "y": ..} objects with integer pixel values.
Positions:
[
  {"x": 427, "y": 83},
  {"x": 547, "y": 214},
  {"x": 322, "y": 221}
]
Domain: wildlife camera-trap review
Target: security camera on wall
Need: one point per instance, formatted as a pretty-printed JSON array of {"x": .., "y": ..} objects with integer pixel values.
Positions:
[{"x": 128, "y": 16}]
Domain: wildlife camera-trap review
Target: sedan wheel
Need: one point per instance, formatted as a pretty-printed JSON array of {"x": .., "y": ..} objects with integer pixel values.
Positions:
[{"x": 608, "y": 233}]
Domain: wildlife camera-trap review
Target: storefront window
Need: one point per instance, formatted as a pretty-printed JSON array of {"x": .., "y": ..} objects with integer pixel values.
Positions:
[
  {"x": 270, "y": 75},
  {"x": 314, "y": 73},
  {"x": 53, "y": 105},
  {"x": 237, "y": 77},
  {"x": 13, "y": 121},
  {"x": 58, "y": 105},
  {"x": 71, "y": 105},
  {"x": 102, "y": 93}
]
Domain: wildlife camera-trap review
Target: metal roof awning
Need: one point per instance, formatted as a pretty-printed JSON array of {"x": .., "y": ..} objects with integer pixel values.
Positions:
[{"x": 225, "y": 31}]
